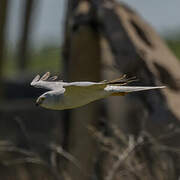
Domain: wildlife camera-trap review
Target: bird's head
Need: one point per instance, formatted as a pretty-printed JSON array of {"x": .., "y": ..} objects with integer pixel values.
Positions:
[
  {"x": 49, "y": 100},
  {"x": 45, "y": 99},
  {"x": 41, "y": 100}
]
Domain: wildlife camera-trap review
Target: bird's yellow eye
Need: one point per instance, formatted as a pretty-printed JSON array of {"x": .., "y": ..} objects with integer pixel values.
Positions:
[{"x": 40, "y": 100}]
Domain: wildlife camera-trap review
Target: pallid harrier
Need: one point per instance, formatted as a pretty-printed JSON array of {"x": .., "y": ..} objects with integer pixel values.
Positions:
[{"x": 64, "y": 95}]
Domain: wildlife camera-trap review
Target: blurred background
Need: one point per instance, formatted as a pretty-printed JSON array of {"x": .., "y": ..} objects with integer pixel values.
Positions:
[{"x": 132, "y": 137}]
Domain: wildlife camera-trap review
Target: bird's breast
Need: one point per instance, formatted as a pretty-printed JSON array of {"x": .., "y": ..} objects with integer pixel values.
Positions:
[{"x": 77, "y": 99}]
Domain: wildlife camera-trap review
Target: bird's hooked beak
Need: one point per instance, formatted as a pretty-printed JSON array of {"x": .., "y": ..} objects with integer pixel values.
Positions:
[{"x": 39, "y": 101}]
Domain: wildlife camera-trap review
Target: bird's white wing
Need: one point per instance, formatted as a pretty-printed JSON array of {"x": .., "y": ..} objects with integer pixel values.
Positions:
[
  {"x": 102, "y": 84},
  {"x": 127, "y": 89},
  {"x": 47, "y": 82},
  {"x": 114, "y": 86}
]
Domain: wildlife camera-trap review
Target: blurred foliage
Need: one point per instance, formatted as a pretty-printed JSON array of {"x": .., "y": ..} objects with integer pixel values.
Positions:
[
  {"x": 47, "y": 58},
  {"x": 174, "y": 45}
]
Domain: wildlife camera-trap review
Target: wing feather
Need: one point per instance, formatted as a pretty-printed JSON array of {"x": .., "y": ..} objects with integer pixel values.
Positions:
[
  {"x": 121, "y": 81},
  {"x": 45, "y": 76},
  {"x": 53, "y": 78},
  {"x": 46, "y": 82},
  {"x": 35, "y": 79}
]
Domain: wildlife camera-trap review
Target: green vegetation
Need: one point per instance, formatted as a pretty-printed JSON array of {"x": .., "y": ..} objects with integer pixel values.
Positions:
[
  {"x": 49, "y": 59},
  {"x": 174, "y": 45},
  {"x": 45, "y": 59}
]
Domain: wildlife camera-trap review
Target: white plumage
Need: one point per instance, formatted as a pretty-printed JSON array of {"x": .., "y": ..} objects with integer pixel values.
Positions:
[{"x": 63, "y": 95}]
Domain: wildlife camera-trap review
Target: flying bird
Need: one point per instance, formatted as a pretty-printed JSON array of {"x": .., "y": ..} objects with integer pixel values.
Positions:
[{"x": 63, "y": 95}]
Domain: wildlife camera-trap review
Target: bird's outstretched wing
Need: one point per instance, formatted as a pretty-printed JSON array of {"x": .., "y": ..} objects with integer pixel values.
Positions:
[
  {"x": 47, "y": 82},
  {"x": 102, "y": 84},
  {"x": 113, "y": 86}
]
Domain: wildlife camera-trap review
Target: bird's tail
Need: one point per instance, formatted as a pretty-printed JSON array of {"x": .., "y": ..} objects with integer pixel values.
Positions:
[{"x": 122, "y": 90}]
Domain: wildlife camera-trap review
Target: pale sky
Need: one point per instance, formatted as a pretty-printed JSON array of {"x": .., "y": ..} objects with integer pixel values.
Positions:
[{"x": 163, "y": 15}]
